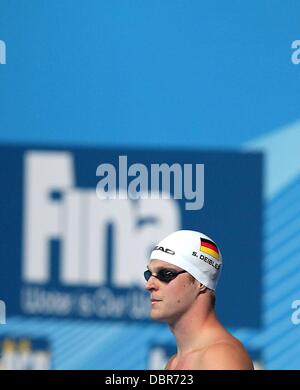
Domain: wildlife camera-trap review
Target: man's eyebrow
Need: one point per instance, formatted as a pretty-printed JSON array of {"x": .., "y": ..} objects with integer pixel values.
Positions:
[{"x": 161, "y": 268}]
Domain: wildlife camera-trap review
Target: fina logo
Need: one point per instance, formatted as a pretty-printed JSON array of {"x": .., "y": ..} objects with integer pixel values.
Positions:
[
  {"x": 2, "y": 53},
  {"x": 54, "y": 209}
]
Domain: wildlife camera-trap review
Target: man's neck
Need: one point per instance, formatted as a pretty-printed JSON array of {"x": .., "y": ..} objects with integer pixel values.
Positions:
[{"x": 191, "y": 328}]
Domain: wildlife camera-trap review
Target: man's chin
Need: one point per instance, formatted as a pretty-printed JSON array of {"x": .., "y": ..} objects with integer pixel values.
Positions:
[{"x": 155, "y": 315}]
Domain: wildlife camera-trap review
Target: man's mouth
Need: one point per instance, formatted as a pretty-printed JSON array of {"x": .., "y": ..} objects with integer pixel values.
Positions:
[{"x": 154, "y": 300}]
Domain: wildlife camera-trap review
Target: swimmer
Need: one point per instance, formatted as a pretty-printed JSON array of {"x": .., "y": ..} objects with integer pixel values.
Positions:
[{"x": 182, "y": 276}]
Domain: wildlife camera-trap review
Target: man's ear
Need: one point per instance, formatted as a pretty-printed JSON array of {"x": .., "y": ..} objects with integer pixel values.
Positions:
[{"x": 201, "y": 288}]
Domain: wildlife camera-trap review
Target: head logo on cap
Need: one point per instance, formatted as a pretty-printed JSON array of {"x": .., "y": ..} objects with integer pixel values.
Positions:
[{"x": 209, "y": 247}]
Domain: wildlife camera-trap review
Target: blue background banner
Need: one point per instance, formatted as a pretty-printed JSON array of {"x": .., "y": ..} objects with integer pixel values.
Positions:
[{"x": 232, "y": 190}]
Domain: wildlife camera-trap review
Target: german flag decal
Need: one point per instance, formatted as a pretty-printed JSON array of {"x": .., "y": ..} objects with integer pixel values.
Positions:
[{"x": 209, "y": 247}]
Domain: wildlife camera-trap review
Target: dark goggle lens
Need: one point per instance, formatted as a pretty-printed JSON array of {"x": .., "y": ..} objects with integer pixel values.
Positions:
[
  {"x": 164, "y": 275},
  {"x": 147, "y": 275}
]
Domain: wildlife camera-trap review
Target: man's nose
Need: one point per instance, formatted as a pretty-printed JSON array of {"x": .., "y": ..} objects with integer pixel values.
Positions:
[{"x": 151, "y": 283}]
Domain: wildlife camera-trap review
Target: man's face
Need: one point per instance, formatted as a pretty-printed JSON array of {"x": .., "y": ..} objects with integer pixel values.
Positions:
[{"x": 170, "y": 300}]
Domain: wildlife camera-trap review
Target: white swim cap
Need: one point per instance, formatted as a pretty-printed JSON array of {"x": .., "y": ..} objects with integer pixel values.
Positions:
[{"x": 194, "y": 252}]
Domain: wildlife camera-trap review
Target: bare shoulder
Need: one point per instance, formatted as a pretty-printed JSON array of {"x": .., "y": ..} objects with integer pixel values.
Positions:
[
  {"x": 226, "y": 355},
  {"x": 170, "y": 364}
]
